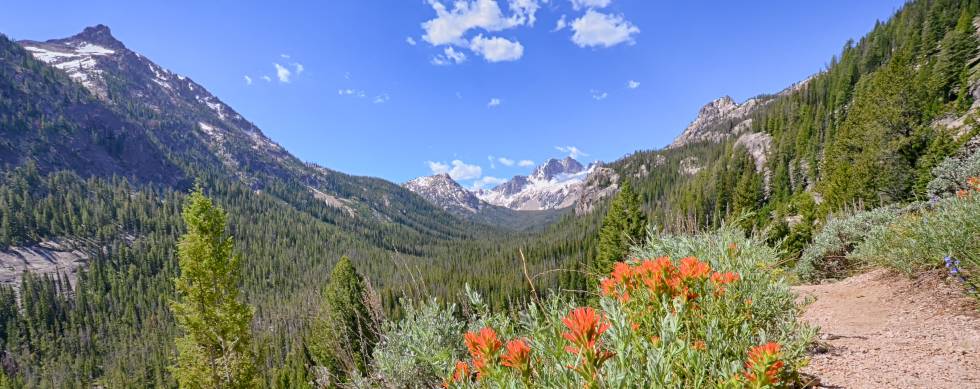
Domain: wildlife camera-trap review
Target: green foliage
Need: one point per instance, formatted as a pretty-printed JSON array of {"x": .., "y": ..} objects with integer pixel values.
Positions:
[
  {"x": 827, "y": 256},
  {"x": 652, "y": 340},
  {"x": 417, "y": 351},
  {"x": 951, "y": 174},
  {"x": 624, "y": 226},
  {"x": 215, "y": 350},
  {"x": 920, "y": 240},
  {"x": 344, "y": 335}
]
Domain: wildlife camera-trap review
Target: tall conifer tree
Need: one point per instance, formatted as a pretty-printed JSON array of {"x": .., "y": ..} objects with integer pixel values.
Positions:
[{"x": 215, "y": 350}]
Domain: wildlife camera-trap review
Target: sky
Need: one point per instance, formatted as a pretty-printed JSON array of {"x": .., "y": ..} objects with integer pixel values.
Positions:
[{"x": 481, "y": 89}]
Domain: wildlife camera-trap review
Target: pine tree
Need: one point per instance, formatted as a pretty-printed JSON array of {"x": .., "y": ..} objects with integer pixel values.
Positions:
[
  {"x": 215, "y": 350},
  {"x": 623, "y": 226},
  {"x": 344, "y": 335}
]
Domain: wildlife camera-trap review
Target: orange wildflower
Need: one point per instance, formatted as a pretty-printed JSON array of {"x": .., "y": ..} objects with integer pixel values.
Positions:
[
  {"x": 763, "y": 366},
  {"x": 460, "y": 373},
  {"x": 584, "y": 328},
  {"x": 517, "y": 356},
  {"x": 693, "y": 269},
  {"x": 483, "y": 347},
  {"x": 699, "y": 345}
]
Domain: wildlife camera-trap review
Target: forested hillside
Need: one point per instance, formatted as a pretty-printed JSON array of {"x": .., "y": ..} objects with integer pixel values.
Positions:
[{"x": 107, "y": 170}]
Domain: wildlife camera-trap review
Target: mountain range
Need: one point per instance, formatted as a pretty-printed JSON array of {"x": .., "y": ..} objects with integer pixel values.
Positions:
[{"x": 99, "y": 146}]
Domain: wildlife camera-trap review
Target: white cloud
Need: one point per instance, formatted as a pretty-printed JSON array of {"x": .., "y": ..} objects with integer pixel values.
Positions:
[
  {"x": 487, "y": 181},
  {"x": 267, "y": 78},
  {"x": 381, "y": 99},
  {"x": 248, "y": 80},
  {"x": 572, "y": 151},
  {"x": 599, "y": 29},
  {"x": 459, "y": 170},
  {"x": 286, "y": 56},
  {"x": 632, "y": 84},
  {"x": 524, "y": 10},
  {"x": 598, "y": 95},
  {"x": 411, "y": 41},
  {"x": 561, "y": 24},
  {"x": 525, "y": 163},
  {"x": 449, "y": 26},
  {"x": 505, "y": 161},
  {"x": 437, "y": 167},
  {"x": 580, "y": 4},
  {"x": 497, "y": 49},
  {"x": 494, "y": 102},
  {"x": 351, "y": 92},
  {"x": 298, "y": 67},
  {"x": 492, "y": 160},
  {"x": 282, "y": 73},
  {"x": 450, "y": 56}
]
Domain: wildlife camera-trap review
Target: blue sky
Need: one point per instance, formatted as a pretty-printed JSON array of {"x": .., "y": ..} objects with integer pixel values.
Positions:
[{"x": 384, "y": 89}]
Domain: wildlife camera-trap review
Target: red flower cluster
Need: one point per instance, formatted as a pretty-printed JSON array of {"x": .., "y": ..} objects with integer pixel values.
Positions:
[
  {"x": 661, "y": 277},
  {"x": 518, "y": 357},
  {"x": 972, "y": 183},
  {"x": 585, "y": 326},
  {"x": 763, "y": 367},
  {"x": 483, "y": 346}
]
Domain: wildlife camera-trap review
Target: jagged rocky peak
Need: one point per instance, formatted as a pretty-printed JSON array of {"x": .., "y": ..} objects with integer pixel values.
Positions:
[
  {"x": 98, "y": 34},
  {"x": 443, "y": 191},
  {"x": 718, "y": 120},
  {"x": 554, "y": 167},
  {"x": 555, "y": 184}
]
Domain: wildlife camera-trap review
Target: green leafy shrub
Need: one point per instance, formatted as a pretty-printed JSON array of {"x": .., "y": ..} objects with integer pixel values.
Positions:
[
  {"x": 951, "y": 174},
  {"x": 416, "y": 352},
  {"x": 922, "y": 239},
  {"x": 725, "y": 320},
  {"x": 827, "y": 256}
]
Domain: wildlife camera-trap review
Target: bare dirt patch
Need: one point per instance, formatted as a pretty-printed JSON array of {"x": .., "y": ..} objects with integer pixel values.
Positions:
[{"x": 883, "y": 330}]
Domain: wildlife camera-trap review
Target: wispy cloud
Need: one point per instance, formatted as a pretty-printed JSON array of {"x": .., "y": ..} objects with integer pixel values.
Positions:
[
  {"x": 267, "y": 78},
  {"x": 598, "y": 29},
  {"x": 248, "y": 80},
  {"x": 598, "y": 95},
  {"x": 282, "y": 73},
  {"x": 525, "y": 163},
  {"x": 351, "y": 92},
  {"x": 449, "y": 56},
  {"x": 506, "y": 161},
  {"x": 572, "y": 151},
  {"x": 381, "y": 99},
  {"x": 580, "y": 4},
  {"x": 632, "y": 84},
  {"x": 411, "y": 41},
  {"x": 285, "y": 56},
  {"x": 561, "y": 24},
  {"x": 456, "y": 169},
  {"x": 298, "y": 67},
  {"x": 494, "y": 102}
]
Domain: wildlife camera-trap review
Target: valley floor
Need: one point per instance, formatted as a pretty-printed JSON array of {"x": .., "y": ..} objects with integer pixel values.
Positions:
[{"x": 883, "y": 330}]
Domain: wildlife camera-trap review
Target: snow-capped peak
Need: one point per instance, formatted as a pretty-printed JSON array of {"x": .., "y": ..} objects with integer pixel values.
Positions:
[
  {"x": 445, "y": 193},
  {"x": 553, "y": 185}
]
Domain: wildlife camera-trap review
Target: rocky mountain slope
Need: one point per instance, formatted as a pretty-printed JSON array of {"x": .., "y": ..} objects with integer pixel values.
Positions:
[
  {"x": 554, "y": 184},
  {"x": 444, "y": 192}
]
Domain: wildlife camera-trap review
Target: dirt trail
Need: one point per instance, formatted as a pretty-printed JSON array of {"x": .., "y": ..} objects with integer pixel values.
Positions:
[{"x": 884, "y": 330}]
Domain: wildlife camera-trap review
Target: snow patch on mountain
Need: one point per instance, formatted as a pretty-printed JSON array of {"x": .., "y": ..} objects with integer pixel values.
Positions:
[
  {"x": 555, "y": 184},
  {"x": 444, "y": 192}
]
